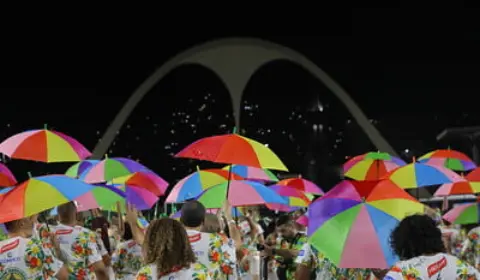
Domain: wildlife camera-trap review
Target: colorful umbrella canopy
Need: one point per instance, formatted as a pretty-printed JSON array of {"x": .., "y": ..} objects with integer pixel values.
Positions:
[
  {"x": 417, "y": 175},
  {"x": 6, "y": 176},
  {"x": 233, "y": 149},
  {"x": 5, "y": 190},
  {"x": 461, "y": 187},
  {"x": 302, "y": 220},
  {"x": 371, "y": 166},
  {"x": 139, "y": 197},
  {"x": 240, "y": 193},
  {"x": 195, "y": 183},
  {"x": 464, "y": 214},
  {"x": 147, "y": 180},
  {"x": 253, "y": 173},
  {"x": 302, "y": 185},
  {"x": 110, "y": 168},
  {"x": 76, "y": 170},
  {"x": 357, "y": 217},
  {"x": 294, "y": 197},
  {"x": 39, "y": 194},
  {"x": 450, "y": 159},
  {"x": 45, "y": 146},
  {"x": 474, "y": 175},
  {"x": 102, "y": 196}
]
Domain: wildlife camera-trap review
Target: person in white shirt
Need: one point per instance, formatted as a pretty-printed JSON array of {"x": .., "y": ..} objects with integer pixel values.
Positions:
[
  {"x": 79, "y": 246},
  {"x": 168, "y": 253},
  {"x": 23, "y": 256},
  {"x": 418, "y": 242},
  {"x": 216, "y": 251}
]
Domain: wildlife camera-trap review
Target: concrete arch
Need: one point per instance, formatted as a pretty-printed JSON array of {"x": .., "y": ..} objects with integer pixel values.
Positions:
[{"x": 235, "y": 60}]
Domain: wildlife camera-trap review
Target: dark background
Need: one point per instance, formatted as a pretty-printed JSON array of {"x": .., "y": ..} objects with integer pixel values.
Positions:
[{"x": 413, "y": 75}]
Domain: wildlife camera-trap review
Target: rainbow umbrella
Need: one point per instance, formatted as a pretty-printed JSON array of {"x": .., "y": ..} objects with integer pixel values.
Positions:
[
  {"x": 464, "y": 214},
  {"x": 371, "y": 166},
  {"x": 6, "y": 176},
  {"x": 302, "y": 220},
  {"x": 302, "y": 185},
  {"x": 417, "y": 175},
  {"x": 195, "y": 183},
  {"x": 474, "y": 175},
  {"x": 233, "y": 149},
  {"x": 147, "y": 180},
  {"x": 252, "y": 173},
  {"x": 294, "y": 198},
  {"x": 101, "y": 196},
  {"x": 45, "y": 146},
  {"x": 39, "y": 194},
  {"x": 76, "y": 170},
  {"x": 5, "y": 190},
  {"x": 110, "y": 168},
  {"x": 457, "y": 188},
  {"x": 357, "y": 217},
  {"x": 450, "y": 159},
  {"x": 240, "y": 193},
  {"x": 139, "y": 197}
]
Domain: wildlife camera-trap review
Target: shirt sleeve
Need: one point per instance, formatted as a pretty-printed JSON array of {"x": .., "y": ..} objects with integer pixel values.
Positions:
[
  {"x": 51, "y": 265},
  {"x": 93, "y": 246},
  {"x": 229, "y": 258},
  {"x": 305, "y": 256}
]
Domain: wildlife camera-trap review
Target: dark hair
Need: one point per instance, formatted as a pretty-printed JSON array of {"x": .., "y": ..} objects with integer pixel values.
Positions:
[
  {"x": 127, "y": 233},
  {"x": 283, "y": 220},
  {"x": 415, "y": 236},
  {"x": 193, "y": 214},
  {"x": 67, "y": 210},
  {"x": 167, "y": 245}
]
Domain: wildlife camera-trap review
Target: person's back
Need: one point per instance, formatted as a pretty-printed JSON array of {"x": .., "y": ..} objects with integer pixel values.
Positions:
[
  {"x": 437, "y": 267},
  {"x": 25, "y": 258},
  {"x": 78, "y": 246},
  {"x": 214, "y": 250},
  {"x": 195, "y": 272}
]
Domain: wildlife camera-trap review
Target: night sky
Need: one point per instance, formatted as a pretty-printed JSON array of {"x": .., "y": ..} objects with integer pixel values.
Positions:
[{"x": 411, "y": 79}]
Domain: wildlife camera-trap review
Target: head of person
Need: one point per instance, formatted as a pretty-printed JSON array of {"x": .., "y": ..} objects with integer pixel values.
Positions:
[
  {"x": 23, "y": 227},
  {"x": 167, "y": 246},
  {"x": 286, "y": 227},
  {"x": 193, "y": 214},
  {"x": 416, "y": 235},
  {"x": 212, "y": 224},
  {"x": 67, "y": 212},
  {"x": 127, "y": 232}
]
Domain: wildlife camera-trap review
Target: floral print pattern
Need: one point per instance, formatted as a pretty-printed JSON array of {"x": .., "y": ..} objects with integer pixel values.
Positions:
[
  {"x": 27, "y": 258},
  {"x": 127, "y": 260},
  {"x": 221, "y": 256},
  {"x": 79, "y": 246},
  {"x": 438, "y": 267},
  {"x": 471, "y": 248},
  {"x": 197, "y": 271}
]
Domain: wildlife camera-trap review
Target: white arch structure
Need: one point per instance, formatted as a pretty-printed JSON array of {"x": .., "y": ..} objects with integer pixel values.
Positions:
[{"x": 234, "y": 61}]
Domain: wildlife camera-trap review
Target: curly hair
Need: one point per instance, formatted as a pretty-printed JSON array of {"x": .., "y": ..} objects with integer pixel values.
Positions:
[
  {"x": 166, "y": 245},
  {"x": 415, "y": 236}
]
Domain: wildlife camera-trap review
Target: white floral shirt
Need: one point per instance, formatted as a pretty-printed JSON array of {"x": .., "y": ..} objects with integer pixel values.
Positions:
[
  {"x": 127, "y": 260},
  {"x": 25, "y": 258},
  {"x": 79, "y": 247},
  {"x": 195, "y": 272},
  {"x": 216, "y": 252},
  {"x": 438, "y": 267}
]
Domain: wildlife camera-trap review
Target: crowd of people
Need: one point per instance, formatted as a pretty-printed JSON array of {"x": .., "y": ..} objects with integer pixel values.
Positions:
[{"x": 217, "y": 246}]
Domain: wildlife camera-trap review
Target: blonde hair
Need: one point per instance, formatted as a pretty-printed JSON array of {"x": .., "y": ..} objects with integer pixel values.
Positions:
[{"x": 166, "y": 245}]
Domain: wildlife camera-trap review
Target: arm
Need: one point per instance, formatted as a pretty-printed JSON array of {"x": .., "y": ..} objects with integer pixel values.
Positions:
[
  {"x": 100, "y": 270},
  {"x": 137, "y": 232},
  {"x": 232, "y": 226}
]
